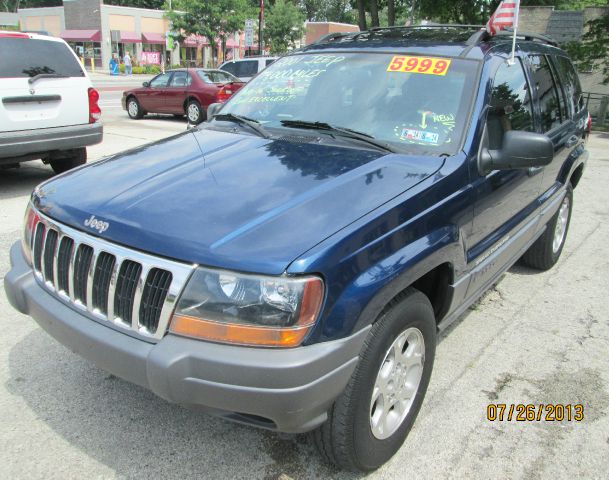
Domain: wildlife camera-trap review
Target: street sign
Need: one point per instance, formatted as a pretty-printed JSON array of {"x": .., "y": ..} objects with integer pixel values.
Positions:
[{"x": 249, "y": 32}]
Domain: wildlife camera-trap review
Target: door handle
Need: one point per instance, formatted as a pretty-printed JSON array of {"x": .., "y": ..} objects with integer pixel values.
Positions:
[
  {"x": 572, "y": 141},
  {"x": 532, "y": 171}
]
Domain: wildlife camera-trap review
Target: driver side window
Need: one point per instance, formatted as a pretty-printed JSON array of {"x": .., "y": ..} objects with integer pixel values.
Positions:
[
  {"x": 160, "y": 81},
  {"x": 510, "y": 105}
]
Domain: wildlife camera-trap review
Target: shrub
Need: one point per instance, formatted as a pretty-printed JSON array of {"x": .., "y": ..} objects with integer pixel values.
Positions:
[
  {"x": 121, "y": 68},
  {"x": 139, "y": 70}
]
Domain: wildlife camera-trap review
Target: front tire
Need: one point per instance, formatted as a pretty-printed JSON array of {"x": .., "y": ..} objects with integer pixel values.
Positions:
[
  {"x": 370, "y": 420},
  {"x": 134, "y": 109},
  {"x": 546, "y": 250},
  {"x": 63, "y": 164},
  {"x": 194, "y": 112}
]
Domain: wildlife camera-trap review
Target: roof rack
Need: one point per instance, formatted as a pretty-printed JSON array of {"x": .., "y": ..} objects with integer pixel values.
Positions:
[
  {"x": 484, "y": 36},
  {"x": 332, "y": 36},
  {"x": 426, "y": 27},
  {"x": 508, "y": 32}
]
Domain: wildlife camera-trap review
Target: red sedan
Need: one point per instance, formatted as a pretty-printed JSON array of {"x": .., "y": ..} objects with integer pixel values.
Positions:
[{"x": 181, "y": 92}]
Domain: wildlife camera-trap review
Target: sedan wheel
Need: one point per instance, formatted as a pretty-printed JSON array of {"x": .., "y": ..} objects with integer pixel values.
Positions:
[
  {"x": 194, "y": 112},
  {"x": 133, "y": 109}
]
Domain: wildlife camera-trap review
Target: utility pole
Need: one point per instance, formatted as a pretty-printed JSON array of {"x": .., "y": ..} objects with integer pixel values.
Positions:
[{"x": 260, "y": 26}]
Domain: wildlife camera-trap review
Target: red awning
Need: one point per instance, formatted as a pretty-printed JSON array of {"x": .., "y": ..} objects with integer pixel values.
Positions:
[
  {"x": 130, "y": 37},
  {"x": 157, "y": 38},
  {"x": 230, "y": 43},
  {"x": 81, "y": 35},
  {"x": 195, "y": 40}
]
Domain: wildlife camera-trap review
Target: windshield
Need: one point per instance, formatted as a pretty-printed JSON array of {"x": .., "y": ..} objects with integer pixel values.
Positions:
[
  {"x": 216, "y": 77},
  {"x": 412, "y": 102}
]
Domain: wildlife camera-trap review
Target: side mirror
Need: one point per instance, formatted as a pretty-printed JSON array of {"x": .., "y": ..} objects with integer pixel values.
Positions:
[
  {"x": 519, "y": 149},
  {"x": 213, "y": 110},
  {"x": 146, "y": 84}
]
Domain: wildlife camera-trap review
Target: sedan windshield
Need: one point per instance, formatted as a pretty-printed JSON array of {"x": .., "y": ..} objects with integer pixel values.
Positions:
[{"x": 408, "y": 101}]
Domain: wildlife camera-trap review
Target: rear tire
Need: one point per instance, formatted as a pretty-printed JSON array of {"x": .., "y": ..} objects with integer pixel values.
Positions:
[
  {"x": 60, "y": 165},
  {"x": 134, "y": 109},
  {"x": 194, "y": 112},
  {"x": 546, "y": 250},
  {"x": 370, "y": 420}
]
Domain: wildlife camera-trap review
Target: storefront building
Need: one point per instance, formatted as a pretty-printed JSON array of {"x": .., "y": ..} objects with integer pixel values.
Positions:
[{"x": 97, "y": 32}]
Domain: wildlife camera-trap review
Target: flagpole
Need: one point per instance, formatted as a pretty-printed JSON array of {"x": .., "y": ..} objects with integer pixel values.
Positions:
[{"x": 512, "y": 59}]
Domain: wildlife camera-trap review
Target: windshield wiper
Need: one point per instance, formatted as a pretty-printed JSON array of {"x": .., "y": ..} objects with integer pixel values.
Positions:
[
  {"x": 250, "y": 122},
  {"x": 343, "y": 131},
  {"x": 45, "y": 75}
]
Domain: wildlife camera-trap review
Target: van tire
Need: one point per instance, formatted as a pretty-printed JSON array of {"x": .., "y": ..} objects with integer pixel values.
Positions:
[
  {"x": 544, "y": 253},
  {"x": 347, "y": 439},
  {"x": 64, "y": 164}
]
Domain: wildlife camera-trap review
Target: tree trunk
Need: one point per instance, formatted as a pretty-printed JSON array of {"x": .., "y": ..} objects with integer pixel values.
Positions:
[
  {"x": 374, "y": 13},
  {"x": 361, "y": 15},
  {"x": 391, "y": 12}
]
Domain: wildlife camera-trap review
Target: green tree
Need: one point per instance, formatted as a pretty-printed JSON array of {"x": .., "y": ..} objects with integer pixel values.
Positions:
[
  {"x": 154, "y": 4},
  {"x": 593, "y": 50},
  {"x": 284, "y": 25},
  {"x": 214, "y": 19}
]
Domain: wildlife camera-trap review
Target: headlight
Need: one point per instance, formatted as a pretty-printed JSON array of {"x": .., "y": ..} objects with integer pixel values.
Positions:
[
  {"x": 248, "y": 309},
  {"x": 29, "y": 224}
]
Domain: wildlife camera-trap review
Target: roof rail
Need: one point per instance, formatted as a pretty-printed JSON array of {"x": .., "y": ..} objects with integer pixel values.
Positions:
[
  {"x": 332, "y": 36},
  {"x": 425, "y": 27},
  {"x": 484, "y": 36},
  {"x": 508, "y": 32}
]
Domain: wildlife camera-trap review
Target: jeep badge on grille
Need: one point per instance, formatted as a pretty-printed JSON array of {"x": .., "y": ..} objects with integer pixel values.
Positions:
[{"x": 98, "y": 225}]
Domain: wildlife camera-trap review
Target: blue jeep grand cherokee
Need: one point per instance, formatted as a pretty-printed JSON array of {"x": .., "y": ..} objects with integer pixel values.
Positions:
[{"x": 288, "y": 263}]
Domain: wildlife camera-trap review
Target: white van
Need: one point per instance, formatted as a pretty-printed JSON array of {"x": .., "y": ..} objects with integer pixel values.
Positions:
[
  {"x": 246, "y": 68},
  {"x": 48, "y": 107}
]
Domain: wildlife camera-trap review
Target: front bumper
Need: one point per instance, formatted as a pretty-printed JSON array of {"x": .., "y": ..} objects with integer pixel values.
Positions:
[
  {"x": 288, "y": 390},
  {"x": 46, "y": 140}
]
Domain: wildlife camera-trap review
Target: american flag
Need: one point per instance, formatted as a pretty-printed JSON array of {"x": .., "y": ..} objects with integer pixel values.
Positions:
[{"x": 504, "y": 17}]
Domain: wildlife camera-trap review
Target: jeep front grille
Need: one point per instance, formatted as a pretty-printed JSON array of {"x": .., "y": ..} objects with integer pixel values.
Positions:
[{"x": 110, "y": 283}]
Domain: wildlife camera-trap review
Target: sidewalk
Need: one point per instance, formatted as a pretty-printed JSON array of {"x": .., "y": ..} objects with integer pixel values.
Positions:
[{"x": 103, "y": 81}]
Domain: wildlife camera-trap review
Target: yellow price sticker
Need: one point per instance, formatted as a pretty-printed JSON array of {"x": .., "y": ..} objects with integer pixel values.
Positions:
[{"x": 426, "y": 65}]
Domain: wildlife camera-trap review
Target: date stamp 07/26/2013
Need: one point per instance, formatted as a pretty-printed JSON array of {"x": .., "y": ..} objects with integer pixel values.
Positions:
[{"x": 521, "y": 412}]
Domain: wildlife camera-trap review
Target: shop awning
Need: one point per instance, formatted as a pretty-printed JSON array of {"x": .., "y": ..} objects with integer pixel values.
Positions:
[
  {"x": 130, "y": 37},
  {"x": 195, "y": 40},
  {"x": 81, "y": 35},
  {"x": 157, "y": 38},
  {"x": 230, "y": 43}
]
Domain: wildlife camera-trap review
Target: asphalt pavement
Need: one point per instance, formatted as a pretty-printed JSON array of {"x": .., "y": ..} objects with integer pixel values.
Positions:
[{"x": 535, "y": 338}]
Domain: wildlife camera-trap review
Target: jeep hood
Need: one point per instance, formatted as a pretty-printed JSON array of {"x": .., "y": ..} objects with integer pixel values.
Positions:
[{"x": 229, "y": 200}]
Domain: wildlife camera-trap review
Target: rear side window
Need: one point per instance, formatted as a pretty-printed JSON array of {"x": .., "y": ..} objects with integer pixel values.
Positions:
[
  {"x": 547, "y": 92},
  {"x": 571, "y": 85},
  {"x": 510, "y": 105},
  {"x": 27, "y": 57},
  {"x": 180, "y": 79}
]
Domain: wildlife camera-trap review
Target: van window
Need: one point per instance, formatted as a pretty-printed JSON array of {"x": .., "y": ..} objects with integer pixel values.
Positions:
[
  {"x": 546, "y": 92},
  {"x": 27, "y": 57},
  {"x": 510, "y": 105},
  {"x": 230, "y": 67},
  {"x": 268, "y": 62},
  {"x": 570, "y": 81},
  {"x": 246, "y": 68}
]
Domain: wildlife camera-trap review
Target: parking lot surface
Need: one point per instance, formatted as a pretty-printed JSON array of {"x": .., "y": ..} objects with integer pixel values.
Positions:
[{"x": 535, "y": 338}]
